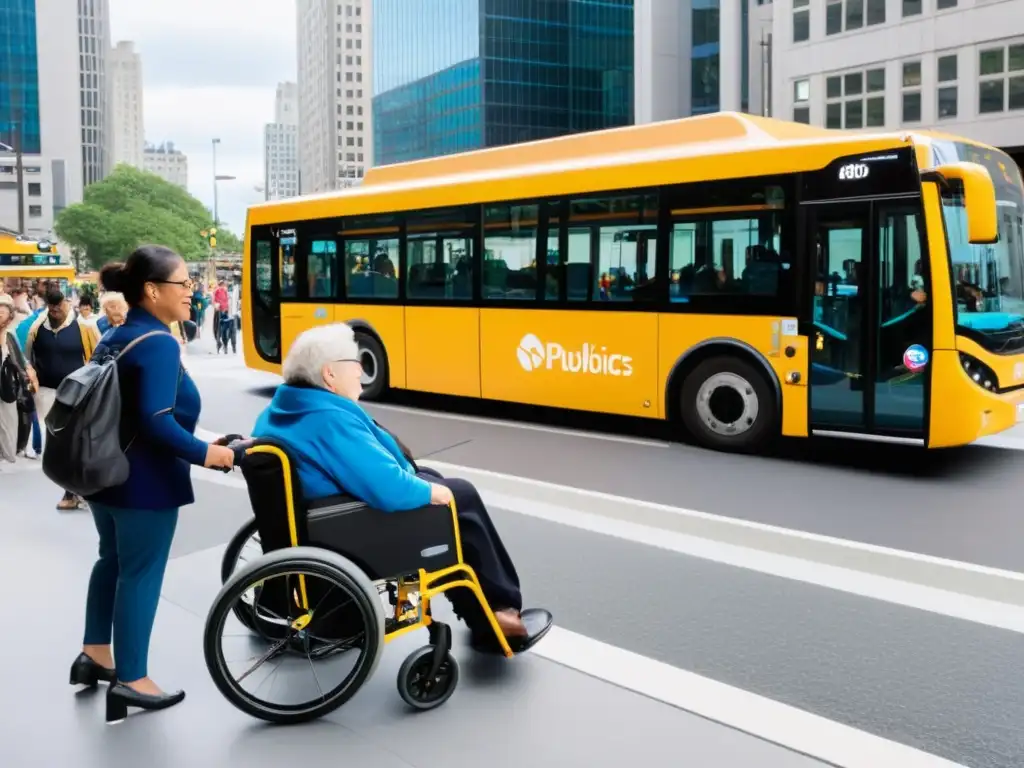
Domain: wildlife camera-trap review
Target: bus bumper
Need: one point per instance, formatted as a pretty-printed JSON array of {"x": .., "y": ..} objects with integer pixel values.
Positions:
[{"x": 961, "y": 411}]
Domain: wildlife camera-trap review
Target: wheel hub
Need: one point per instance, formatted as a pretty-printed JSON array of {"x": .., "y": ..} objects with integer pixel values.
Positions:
[
  {"x": 369, "y": 362},
  {"x": 727, "y": 404}
]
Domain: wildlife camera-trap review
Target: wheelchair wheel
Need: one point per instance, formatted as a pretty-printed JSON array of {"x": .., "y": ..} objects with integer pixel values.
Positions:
[
  {"x": 421, "y": 690},
  {"x": 244, "y": 546},
  {"x": 281, "y": 671},
  {"x": 247, "y": 537}
]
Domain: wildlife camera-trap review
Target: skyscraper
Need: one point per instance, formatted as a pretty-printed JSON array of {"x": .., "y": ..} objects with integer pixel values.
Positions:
[
  {"x": 39, "y": 113},
  {"x": 454, "y": 75},
  {"x": 126, "y": 113},
  {"x": 93, "y": 47},
  {"x": 167, "y": 162},
  {"x": 281, "y": 146},
  {"x": 335, "y": 132}
]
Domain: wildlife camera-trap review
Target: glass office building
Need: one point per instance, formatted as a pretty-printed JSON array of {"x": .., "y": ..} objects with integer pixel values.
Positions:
[
  {"x": 455, "y": 75},
  {"x": 19, "y": 76},
  {"x": 705, "y": 57}
]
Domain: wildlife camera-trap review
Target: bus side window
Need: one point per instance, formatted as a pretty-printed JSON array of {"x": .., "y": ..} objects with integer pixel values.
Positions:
[
  {"x": 370, "y": 256},
  {"x": 510, "y": 252},
  {"x": 287, "y": 249},
  {"x": 322, "y": 269},
  {"x": 439, "y": 254}
]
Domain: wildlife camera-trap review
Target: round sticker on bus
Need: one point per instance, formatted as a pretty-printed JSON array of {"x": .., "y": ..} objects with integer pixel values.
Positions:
[{"x": 915, "y": 358}]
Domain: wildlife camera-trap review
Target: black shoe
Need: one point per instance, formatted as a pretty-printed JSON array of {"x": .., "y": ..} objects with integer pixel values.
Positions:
[
  {"x": 120, "y": 697},
  {"x": 87, "y": 672}
]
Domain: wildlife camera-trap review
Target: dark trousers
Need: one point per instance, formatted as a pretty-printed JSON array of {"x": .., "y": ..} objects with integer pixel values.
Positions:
[
  {"x": 37, "y": 435},
  {"x": 125, "y": 585},
  {"x": 484, "y": 552},
  {"x": 226, "y": 332}
]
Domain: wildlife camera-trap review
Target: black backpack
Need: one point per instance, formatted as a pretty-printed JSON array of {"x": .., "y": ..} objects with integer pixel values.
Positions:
[{"x": 83, "y": 453}]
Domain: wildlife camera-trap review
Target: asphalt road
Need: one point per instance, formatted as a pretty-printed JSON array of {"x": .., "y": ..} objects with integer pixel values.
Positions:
[
  {"x": 962, "y": 504},
  {"x": 940, "y": 684}
]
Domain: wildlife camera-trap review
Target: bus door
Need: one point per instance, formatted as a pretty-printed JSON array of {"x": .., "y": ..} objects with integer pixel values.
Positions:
[
  {"x": 870, "y": 330},
  {"x": 262, "y": 307}
]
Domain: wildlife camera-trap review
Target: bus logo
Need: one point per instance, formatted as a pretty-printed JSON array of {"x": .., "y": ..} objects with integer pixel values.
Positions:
[
  {"x": 534, "y": 354},
  {"x": 915, "y": 358}
]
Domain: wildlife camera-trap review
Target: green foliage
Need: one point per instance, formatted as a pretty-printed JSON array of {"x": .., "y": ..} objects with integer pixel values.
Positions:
[{"x": 130, "y": 208}]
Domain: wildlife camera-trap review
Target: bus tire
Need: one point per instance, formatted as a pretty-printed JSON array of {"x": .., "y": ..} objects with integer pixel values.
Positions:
[
  {"x": 375, "y": 366},
  {"x": 728, "y": 405}
]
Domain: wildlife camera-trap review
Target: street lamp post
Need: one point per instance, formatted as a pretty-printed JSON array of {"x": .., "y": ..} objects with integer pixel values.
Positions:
[{"x": 215, "y": 219}]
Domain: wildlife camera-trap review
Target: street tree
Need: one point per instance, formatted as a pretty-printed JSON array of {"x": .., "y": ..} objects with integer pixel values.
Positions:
[{"x": 130, "y": 208}]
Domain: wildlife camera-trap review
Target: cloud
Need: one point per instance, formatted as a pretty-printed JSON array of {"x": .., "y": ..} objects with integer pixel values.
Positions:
[{"x": 210, "y": 70}]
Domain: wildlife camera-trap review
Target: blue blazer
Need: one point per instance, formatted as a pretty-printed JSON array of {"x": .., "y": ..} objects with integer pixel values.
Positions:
[
  {"x": 339, "y": 449},
  {"x": 160, "y": 410}
]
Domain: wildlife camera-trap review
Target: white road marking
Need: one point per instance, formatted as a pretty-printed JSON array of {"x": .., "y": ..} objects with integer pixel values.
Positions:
[
  {"x": 759, "y": 716},
  {"x": 521, "y": 425},
  {"x": 944, "y": 602},
  {"x": 945, "y": 587}
]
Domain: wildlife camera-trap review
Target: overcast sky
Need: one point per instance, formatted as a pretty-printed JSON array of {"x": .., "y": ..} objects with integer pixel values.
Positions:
[{"x": 210, "y": 69}]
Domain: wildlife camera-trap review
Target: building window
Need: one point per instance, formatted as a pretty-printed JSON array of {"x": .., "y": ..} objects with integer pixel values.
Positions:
[
  {"x": 912, "y": 8},
  {"x": 35, "y": 189},
  {"x": 854, "y": 14},
  {"x": 801, "y": 20},
  {"x": 911, "y": 91},
  {"x": 855, "y": 99},
  {"x": 947, "y": 92},
  {"x": 857, "y": 14},
  {"x": 942, "y": 5},
  {"x": 35, "y": 211},
  {"x": 1001, "y": 78},
  {"x": 801, "y": 101},
  {"x": 834, "y": 18}
]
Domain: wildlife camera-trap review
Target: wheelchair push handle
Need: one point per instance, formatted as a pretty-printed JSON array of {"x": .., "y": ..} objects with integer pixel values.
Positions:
[{"x": 238, "y": 444}]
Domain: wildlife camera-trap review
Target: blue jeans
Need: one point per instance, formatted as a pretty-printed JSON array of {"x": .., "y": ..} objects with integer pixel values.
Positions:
[
  {"x": 124, "y": 589},
  {"x": 37, "y": 435}
]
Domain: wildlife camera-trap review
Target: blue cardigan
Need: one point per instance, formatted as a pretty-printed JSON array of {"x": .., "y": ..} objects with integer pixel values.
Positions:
[
  {"x": 160, "y": 410},
  {"x": 339, "y": 449}
]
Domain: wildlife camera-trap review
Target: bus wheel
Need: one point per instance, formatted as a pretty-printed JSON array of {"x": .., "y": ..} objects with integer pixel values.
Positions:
[
  {"x": 728, "y": 405},
  {"x": 375, "y": 366}
]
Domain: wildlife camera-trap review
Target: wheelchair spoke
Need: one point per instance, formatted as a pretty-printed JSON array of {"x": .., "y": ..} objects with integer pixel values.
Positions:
[
  {"x": 333, "y": 646},
  {"x": 312, "y": 668},
  {"x": 274, "y": 649}
]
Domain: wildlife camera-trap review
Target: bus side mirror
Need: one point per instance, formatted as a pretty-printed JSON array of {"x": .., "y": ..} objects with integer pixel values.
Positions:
[
  {"x": 190, "y": 330},
  {"x": 979, "y": 198}
]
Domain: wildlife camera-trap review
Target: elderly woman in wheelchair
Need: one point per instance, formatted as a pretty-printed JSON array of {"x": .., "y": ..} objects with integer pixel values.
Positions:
[{"x": 350, "y": 523}]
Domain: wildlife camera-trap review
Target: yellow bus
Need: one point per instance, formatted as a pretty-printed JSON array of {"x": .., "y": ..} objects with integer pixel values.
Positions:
[
  {"x": 24, "y": 261},
  {"x": 740, "y": 276}
]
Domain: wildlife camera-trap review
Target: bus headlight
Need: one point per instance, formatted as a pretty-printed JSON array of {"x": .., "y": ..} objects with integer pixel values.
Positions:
[{"x": 979, "y": 373}]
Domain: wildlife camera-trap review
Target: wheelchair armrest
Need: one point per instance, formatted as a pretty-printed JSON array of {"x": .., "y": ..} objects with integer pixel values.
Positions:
[{"x": 384, "y": 544}]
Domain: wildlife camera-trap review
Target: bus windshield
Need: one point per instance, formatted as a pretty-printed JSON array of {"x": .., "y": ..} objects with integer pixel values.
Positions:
[{"x": 988, "y": 280}]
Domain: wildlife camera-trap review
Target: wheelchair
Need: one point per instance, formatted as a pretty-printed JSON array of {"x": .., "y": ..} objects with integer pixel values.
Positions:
[{"x": 333, "y": 582}]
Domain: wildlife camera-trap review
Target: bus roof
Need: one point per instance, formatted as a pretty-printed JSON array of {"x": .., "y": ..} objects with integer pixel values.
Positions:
[{"x": 717, "y": 146}]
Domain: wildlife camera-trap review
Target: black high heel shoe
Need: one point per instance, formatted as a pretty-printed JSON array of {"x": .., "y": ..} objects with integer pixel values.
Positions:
[
  {"x": 87, "y": 672},
  {"x": 121, "y": 696}
]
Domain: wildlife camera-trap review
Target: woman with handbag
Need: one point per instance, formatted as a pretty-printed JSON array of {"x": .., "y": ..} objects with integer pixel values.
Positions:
[{"x": 16, "y": 376}]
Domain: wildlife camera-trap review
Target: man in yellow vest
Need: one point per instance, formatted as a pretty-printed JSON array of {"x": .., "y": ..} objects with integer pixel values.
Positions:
[{"x": 58, "y": 344}]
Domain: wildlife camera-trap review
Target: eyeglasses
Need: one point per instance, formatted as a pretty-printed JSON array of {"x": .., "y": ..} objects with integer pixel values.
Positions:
[{"x": 188, "y": 285}]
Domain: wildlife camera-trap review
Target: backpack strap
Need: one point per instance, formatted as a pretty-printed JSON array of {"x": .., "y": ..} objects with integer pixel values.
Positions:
[{"x": 136, "y": 340}]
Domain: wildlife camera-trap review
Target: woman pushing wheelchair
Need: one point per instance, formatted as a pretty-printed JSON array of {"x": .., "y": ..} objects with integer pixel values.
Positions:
[{"x": 339, "y": 449}]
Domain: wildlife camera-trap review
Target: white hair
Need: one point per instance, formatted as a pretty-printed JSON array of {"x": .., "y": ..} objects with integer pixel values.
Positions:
[
  {"x": 110, "y": 297},
  {"x": 315, "y": 348}
]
